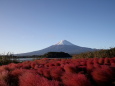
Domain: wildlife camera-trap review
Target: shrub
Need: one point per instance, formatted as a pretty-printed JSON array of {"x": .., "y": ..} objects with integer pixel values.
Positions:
[
  {"x": 3, "y": 83},
  {"x": 103, "y": 76},
  {"x": 29, "y": 79},
  {"x": 106, "y": 61},
  {"x": 33, "y": 79},
  {"x": 4, "y": 76},
  {"x": 14, "y": 76},
  {"x": 63, "y": 72},
  {"x": 70, "y": 68},
  {"x": 56, "y": 73},
  {"x": 90, "y": 68},
  {"x": 75, "y": 80},
  {"x": 46, "y": 73},
  {"x": 101, "y": 60}
]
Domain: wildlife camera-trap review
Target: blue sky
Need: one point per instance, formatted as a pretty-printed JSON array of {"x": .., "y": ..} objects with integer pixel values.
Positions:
[{"x": 29, "y": 25}]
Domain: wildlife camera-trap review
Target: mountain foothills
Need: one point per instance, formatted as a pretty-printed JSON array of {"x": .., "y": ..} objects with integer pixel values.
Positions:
[{"x": 62, "y": 46}]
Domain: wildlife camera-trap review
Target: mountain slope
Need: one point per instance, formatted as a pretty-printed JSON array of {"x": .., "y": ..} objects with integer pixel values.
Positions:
[{"x": 62, "y": 46}]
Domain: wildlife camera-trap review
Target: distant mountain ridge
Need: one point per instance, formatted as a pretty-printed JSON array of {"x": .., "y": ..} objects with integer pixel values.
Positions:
[{"x": 62, "y": 46}]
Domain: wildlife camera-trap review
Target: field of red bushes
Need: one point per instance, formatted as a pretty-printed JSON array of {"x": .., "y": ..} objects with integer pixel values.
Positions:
[{"x": 60, "y": 72}]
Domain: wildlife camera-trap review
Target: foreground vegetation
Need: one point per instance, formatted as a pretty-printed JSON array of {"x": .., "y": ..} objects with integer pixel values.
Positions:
[
  {"x": 60, "y": 72},
  {"x": 97, "y": 54}
]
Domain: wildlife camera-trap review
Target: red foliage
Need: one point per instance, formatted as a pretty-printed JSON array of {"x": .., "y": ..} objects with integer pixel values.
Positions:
[
  {"x": 95, "y": 60},
  {"x": 33, "y": 79},
  {"x": 75, "y": 80},
  {"x": 101, "y": 61},
  {"x": 70, "y": 68},
  {"x": 57, "y": 64},
  {"x": 106, "y": 61},
  {"x": 33, "y": 64},
  {"x": 112, "y": 64},
  {"x": 17, "y": 72},
  {"x": 54, "y": 83},
  {"x": 4, "y": 68},
  {"x": 12, "y": 66},
  {"x": 83, "y": 63},
  {"x": 59, "y": 72},
  {"x": 14, "y": 76},
  {"x": 56, "y": 73},
  {"x": 30, "y": 79},
  {"x": 89, "y": 67},
  {"x": 4, "y": 76},
  {"x": 3, "y": 83},
  {"x": 46, "y": 73},
  {"x": 96, "y": 65},
  {"x": 103, "y": 75},
  {"x": 40, "y": 71}
]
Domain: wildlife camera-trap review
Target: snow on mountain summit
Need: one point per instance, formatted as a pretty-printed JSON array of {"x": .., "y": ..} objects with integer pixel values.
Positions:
[{"x": 64, "y": 42}]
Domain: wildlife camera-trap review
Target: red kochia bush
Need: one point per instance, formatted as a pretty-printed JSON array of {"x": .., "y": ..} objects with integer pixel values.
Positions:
[
  {"x": 13, "y": 79},
  {"x": 103, "y": 76},
  {"x": 12, "y": 66},
  {"x": 29, "y": 79},
  {"x": 101, "y": 60},
  {"x": 4, "y": 76},
  {"x": 56, "y": 73},
  {"x": 89, "y": 67},
  {"x": 83, "y": 63},
  {"x": 3, "y": 83},
  {"x": 63, "y": 72},
  {"x": 75, "y": 80},
  {"x": 70, "y": 68},
  {"x": 106, "y": 61},
  {"x": 40, "y": 71},
  {"x": 33, "y": 79},
  {"x": 46, "y": 73},
  {"x": 54, "y": 83}
]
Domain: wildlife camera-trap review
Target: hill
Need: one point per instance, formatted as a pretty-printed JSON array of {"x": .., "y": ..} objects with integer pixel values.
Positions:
[{"x": 62, "y": 46}]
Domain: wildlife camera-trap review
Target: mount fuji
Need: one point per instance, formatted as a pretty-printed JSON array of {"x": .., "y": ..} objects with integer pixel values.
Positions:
[{"x": 62, "y": 46}]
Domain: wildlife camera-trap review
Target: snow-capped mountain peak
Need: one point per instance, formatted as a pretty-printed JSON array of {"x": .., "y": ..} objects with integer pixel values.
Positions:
[
  {"x": 64, "y": 42},
  {"x": 62, "y": 46}
]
